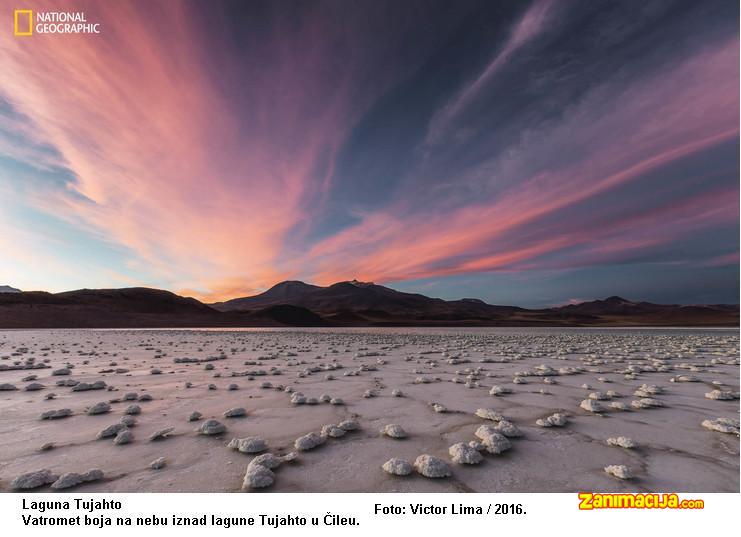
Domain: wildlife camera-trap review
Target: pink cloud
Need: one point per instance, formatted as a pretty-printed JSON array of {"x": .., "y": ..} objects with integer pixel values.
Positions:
[
  {"x": 722, "y": 260},
  {"x": 651, "y": 124},
  {"x": 206, "y": 193},
  {"x": 164, "y": 165}
]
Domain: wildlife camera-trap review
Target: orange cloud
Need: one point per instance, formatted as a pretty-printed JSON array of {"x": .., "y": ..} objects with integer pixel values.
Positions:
[
  {"x": 163, "y": 165},
  {"x": 209, "y": 182}
]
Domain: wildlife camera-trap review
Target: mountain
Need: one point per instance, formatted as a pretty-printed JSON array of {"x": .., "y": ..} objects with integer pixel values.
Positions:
[
  {"x": 627, "y": 312},
  {"x": 350, "y": 303},
  {"x": 102, "y": 308},
  {"x": 369, "y": 301},
  {"x": 135, "y": 307},
  {"x": 8, "y": 289},
  {"x": 354, "y": 303},
  {"x": 288, "y": 292},
  {"x": 612, "y": 305}
]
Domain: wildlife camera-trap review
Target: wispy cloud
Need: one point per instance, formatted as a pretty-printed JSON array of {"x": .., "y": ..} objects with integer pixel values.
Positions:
[{"x": 212, "y": 179}]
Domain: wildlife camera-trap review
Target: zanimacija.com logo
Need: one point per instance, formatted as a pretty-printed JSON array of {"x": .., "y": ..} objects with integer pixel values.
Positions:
[
  {"x": 595, "y": 500},
  {"x": 26, "y": 22}
]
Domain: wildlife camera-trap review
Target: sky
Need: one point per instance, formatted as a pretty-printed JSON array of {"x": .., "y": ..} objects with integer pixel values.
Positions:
[{"x": 531, "y": 153}]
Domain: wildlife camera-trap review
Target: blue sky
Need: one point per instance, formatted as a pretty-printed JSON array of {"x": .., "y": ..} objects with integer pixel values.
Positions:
[{"x": 523, "y": 152}]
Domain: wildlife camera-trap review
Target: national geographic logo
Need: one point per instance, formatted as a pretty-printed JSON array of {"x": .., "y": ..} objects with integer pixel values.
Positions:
[
  {"x": 23, "y": 22},
  {"x": 26, "y": 22}
]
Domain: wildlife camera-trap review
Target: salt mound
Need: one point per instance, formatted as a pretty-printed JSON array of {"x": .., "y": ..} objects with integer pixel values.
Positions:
[
  {"x": 349, "y": 425},
  {"x": 257, "y": 477},
  {"x": 308, "y": 441},
  {"x": 211, "y": 427},
  {"x": 396, "y": 466},
  {"x": 333, "y": 431},
  {"x": 722, "y": 395},
  {"x": 489, "y": 414},
  {"x": 722, "y": 425},
  {"x": 123, "y": 437},
  {"x": 133, "y": 410},
  {"x": 158, "y": 464},
  {"x": 430, "y": 466},
  {"x": 478, "y": 446},
  {"x": 84, "y": 386},
  {"x": 99, "y": 408},
  {"x": 554, "y": 420},
  {"x": 268, "y": 460},
  {"x": 648, "y": 390},
  {"x": 289, "y": 457},
  {"x": 393, "y": 430},
  {"x": 622, "y": 441},
  {"x": 56, "y": 414},
  {"x": 494, "y": 441},
  {"x": 129, "y": 421},
  {"x": 238, "y": 412},
  {"x": 251, "y": 444},
  {"x": 590, "y": 405},
  {"x": 161, "y": 434},
  {"x": 72, "y": 479},
  {"x": 620, "y": 471},
  {"x": 111, "y": 430},
  {"x": 685, "y": 378},
  {"x": 507, "y": 428},
  {"x": 33, "y": 480},
  {"x": 646, "y": 402},
  {"x": 462, "y": 453}
]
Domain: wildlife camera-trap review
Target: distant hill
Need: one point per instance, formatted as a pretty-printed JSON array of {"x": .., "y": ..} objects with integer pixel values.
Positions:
[
  {"x": 358, "y": 297},
  {"x": 135, "y": 307},
  {"x": 8, "y": 289},
  {"x": 349, "y": 303},
  {"x": 627, "y": 312},
  {"x": 361, "y": 303}
]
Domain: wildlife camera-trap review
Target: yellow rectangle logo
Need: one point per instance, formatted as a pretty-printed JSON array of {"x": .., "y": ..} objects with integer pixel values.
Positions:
[{"x": 19, "y": 25}]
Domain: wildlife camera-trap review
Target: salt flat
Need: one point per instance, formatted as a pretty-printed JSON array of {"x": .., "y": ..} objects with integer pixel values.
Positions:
[{"x": 410, "y": 392}]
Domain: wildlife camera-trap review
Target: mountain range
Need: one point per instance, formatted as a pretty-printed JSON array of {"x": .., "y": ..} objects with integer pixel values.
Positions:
[
  {"x": 8, "y": 289},
  {"x": 348, "y": 303}
]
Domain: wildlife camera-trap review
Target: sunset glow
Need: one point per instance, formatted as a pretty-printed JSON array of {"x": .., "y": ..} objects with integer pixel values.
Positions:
[{"x": 217, "y": 149}]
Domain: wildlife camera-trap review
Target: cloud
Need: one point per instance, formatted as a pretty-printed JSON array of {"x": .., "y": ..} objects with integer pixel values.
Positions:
[
  {"x": 211, "y": 177},
  {"x": 165, "y": 162},
  {"x": 646, "y": 127},
  {"x": 527, "y": 28}
]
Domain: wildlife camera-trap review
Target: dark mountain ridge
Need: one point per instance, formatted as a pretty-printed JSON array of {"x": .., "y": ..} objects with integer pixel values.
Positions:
[
  {"x": 135, "y": 307},
  {"x": 8, "y": 289},
  {"x": 349, "y": 303},
  {"x": 359, "y": 296},
  {"x": 363, "y": 303}
]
